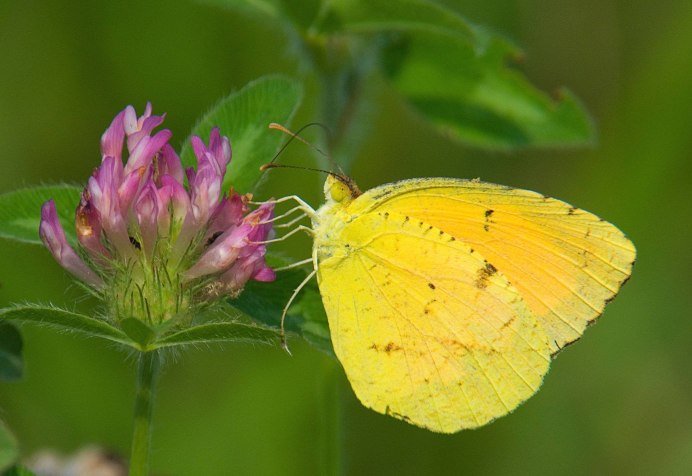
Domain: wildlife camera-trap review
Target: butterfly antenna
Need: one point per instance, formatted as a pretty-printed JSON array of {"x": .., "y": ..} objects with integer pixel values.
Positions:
[
  {"x": 296, "y": 135},
  {"x": 341, "y": 175}
]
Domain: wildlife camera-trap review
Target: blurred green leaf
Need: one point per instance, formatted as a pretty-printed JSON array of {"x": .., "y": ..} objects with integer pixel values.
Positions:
[
  {"x": 10, "y": 352},
  {"x": 269, "y": 8},
  {"x": 244, "y": 117},
  {"x": 20, "y": 211},
  {"x": 456, "y": 75},
  {"x": 9, "y": 450},
  {"x": 310, "y": 317},
  {"x": 374, "y": 16},
  {"x": 19, "y": 471},
  {"x": 219, "y": 332},
  {"x": 475, "y": 97},
  {"x": 62, "y": 319}
]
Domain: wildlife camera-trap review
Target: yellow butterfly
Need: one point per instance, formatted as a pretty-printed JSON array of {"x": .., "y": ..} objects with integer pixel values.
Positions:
[{"x": 447, "y": 298}]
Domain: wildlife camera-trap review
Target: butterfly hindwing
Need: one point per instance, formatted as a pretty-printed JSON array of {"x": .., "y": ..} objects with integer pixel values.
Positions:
[{"x": 427, "y": 329}]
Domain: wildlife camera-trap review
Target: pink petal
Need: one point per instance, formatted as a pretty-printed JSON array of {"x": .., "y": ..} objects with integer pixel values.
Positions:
[
  {"x": 112, "y": 139},
  {"x": 169, "y": 164},
  {"x": 146, "y": 149},
  {"x": 89, "y": 229},
  {"x": 222, "y": 253},
  {"x": 229, "y": 213},
  {"x": 264, "y": 274},
  {"x": 53, "y": 236},
  {"x": 147, "y": 210}
]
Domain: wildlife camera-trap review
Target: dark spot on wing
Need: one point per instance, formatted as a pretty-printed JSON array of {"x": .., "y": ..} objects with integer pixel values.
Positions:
[
  {"x": 388, "y": 349},
  {"x": 484, "y": 274},
  {"x": 571, "y": 210},
  {"x": 391, "y": 347},
  {"x": 509, "y": 322},
  {"x": 431, "y": 285},
  {"x": 488, "y": 213}
]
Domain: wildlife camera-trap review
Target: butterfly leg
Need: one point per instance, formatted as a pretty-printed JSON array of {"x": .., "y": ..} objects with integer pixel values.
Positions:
[
  {"x": 285, "y": 215},
  {"x": 302, "y": 205},
  {"x": 284, "y": 345},
  {"x": 292, "y": 232},
  {"x": 292, "y": 222},
  {"x": 294, "y": 265}
]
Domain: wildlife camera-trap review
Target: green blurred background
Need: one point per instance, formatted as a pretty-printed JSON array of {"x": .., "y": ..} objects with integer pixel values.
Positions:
[{"x": 619, "y": 402}]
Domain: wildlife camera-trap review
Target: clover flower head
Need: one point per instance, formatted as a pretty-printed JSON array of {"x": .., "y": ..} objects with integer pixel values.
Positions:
[{"x": 150, "y": 245}]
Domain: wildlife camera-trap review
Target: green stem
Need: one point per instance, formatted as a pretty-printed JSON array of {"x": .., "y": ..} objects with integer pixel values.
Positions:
[
  {"x": 147, "y": 372},
  {"x": 330, "y": 442}
]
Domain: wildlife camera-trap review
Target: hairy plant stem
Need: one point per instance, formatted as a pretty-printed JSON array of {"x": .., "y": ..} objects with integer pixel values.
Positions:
[{"x": 147, "y": 373}]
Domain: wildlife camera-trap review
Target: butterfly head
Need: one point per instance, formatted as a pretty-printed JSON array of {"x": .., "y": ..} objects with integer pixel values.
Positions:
[{"x": 340, "y": 188}]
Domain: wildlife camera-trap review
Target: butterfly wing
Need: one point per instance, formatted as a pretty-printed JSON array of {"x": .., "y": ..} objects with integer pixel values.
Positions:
[
  {"x": 566, "y": 263},
  {"x": 427, "y": 330}
]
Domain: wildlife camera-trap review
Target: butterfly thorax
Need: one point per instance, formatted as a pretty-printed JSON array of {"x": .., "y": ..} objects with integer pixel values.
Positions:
[{"x": 331, "y": 217}]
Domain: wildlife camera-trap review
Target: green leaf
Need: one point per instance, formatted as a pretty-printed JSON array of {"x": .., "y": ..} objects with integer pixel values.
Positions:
[
  {"x": 474, "y": 97},
  {"x": 20, "y": 211},
  {"x": 218, "y": 332},
  {"x": 138, "y": 331},
  {"x": 9, "y": 451},
  {"x": 63, "y": 319},
  {"x": 264, "y": 303},
  {"x": 10, "y": 352},
  {"x": 244, "y": 118}
]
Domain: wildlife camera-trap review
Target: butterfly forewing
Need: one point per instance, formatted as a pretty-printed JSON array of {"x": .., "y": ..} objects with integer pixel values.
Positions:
[{"x": 565, "y": 262}]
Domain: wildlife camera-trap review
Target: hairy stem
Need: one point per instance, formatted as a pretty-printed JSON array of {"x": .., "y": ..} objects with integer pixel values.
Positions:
[{"x": 147, "y": 373}]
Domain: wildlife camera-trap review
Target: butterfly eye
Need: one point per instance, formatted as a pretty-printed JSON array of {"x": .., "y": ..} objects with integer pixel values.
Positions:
[{"x": 337, "y": 190}]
